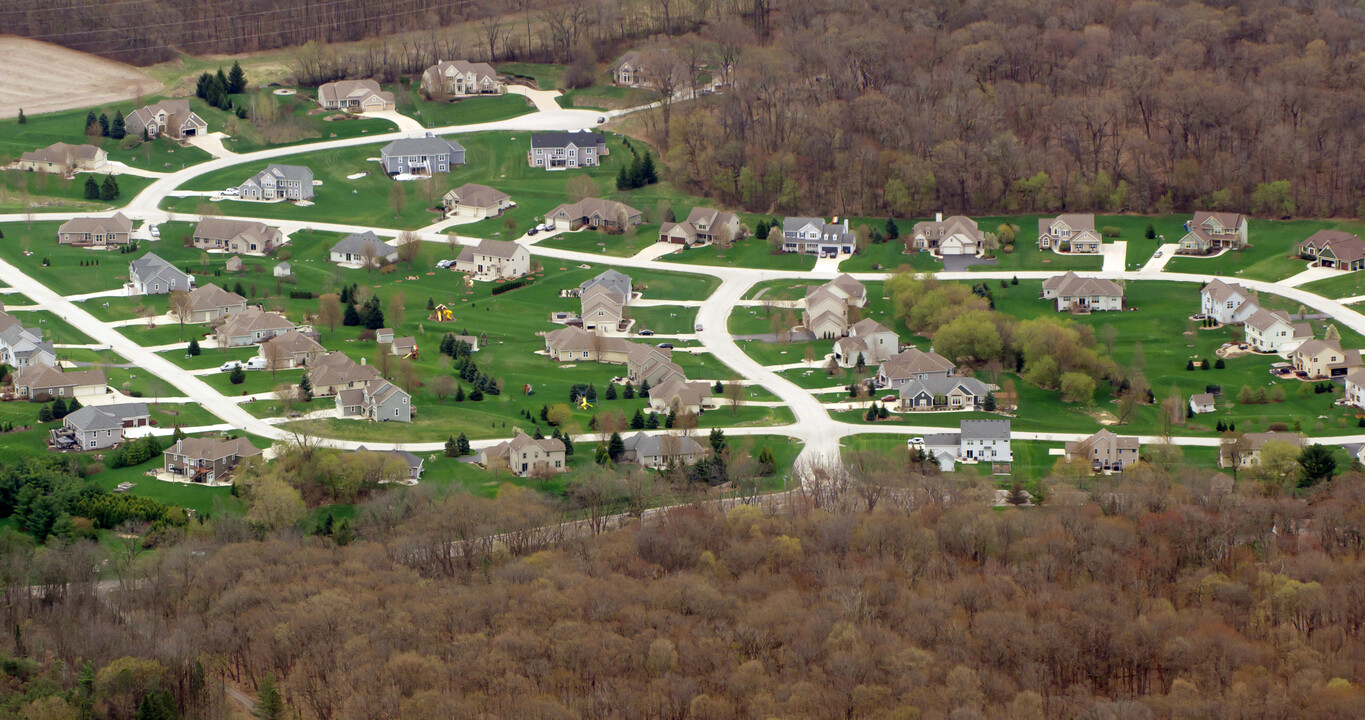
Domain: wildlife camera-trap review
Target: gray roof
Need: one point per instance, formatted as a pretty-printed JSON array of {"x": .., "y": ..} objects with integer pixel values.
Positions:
[
  {"x": 985, "y": 429},
  {"x": 355, "y": 244},
  {"x": 427, "y": 145},
  {"x": 414, "y": 462},
  {"x": 942, "y": 439},
  {"x": 943, "y": 386},
  {"x": 617, "y": 283},
  {"x": 564, "y": 139},
  {"x": 287, "y": 172},
  {"x": 105, "y": 417},
  {"x": 792, "y": 224},
  {"x": 151, "y": 265},
  {"x": 643, "y": 444}
]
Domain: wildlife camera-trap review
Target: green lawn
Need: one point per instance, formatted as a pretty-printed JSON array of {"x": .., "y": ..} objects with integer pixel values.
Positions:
[
  {"x": 465, "y": 111},
  {"x": 1341, "y": 286},
  {"x": 664, "y": 319},
  {"x": 620, "y": 245},
  {"x": 604, "y": 96},
  {"x": 209, "y": 357},
  {"x": 750, "y": 252},
  {"x": 546, "y": 76},
  {"x": 69, "y": 126},
  {"x": 296, "y": 120},
  {"x": 1270, "y": 254},
  {"x": 54, "y": 329},
  {"x": 257, "y": 381},
  {"x": 43, "y": 192}
]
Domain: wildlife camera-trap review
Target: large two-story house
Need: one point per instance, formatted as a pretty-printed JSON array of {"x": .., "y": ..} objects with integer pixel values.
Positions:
[
  {"x": 378, "y": 400},
  {"x": 825, "y": 312},
  {"x": 494, "y": 260},
  {"x": 476, "y": 201},
  {"x": 290, "y": 349},
  {"x": 211, "y": 304},
  {"x": 1271, "y": 331},
  {"x": 975, "y": 441},
  {"x": 814, "y": 236},
  {"x": 1227, "y": 303},
  {"x": 867, "y": 340},
  {"x": 96, "y": 232},
  {"x": 910, "y": 365},
  {"x": 21, "y": 347},
  {"x": 525, "y": 455},
  {"x": 702, "y": 227},
  {"x": 424, "y": 155},
  {"x": 207, "y": 460},
  {"x": 566, "y": 150},
  {"x": 171, "y": 118},
  {"x": 99, "y": 426},
  {"x": 251, "y": 327},
  {"x": 279, "y": 182},
  {"x": 1210, "y": 231},
  {"x": 1105, "y": 451},
  {"x": 957, "y": 235},
  {"x": 1334, "y": 249},
  {"x": 629, "y": 71},
  {"x": 150, "y": 275},
  {"x": 1322, "y": 359},
  {"x": 458, "y": 78},
  {"x": 335, "y": 371},
  {"x": 1074, "y": 232}
]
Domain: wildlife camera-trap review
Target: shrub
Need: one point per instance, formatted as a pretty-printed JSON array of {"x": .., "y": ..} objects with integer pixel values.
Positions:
[
  {"x": 365, "y": 335},
  {"x": 300, "y": 295},
  {"x": 519, "y": 282},
  {"x": 1111, "y": 231},
  {"x": 1278, "y": 427},
  {"x": 238, "y": 376}
]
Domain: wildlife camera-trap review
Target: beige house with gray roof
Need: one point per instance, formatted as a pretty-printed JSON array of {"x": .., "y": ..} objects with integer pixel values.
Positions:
[
  {"x": 1074, "y": 231},
  {"x": 245, "y": 237},
  {"x": 459, "y": 78},
  {"x": 1073, "y": 293},
  {"x": 290, "y": 350},
  {"x": 210, "y": 304},
  {"x": 64, "y": 159},
  {"x": 1105, "y": 451},
  {"x": 494, "y": 260},
  {"x": 95, "y": 232},
  {"x": 333, "y": 372},
  {"x": 355, "y": 96},
  {"x": 171, "y": 118},
  {"x": 250, "y": 327},
  {"x": 525, "y": 455},
  {"x": 473, "y": 200}
]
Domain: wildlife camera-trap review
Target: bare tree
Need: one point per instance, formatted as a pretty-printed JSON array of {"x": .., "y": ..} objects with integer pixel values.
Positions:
[
  {"x": 369, "y": 256},
  {"x": 581, "y": 187},
  {"x": 409, "y": 245},
  {"x": 493, "y": 32},
  {"x": 329, "y": 311},
  {"x": 397, "y": 307},
  {"x": 275, "y": 356},
  {"x": 181, "y": 306},
  {"x": 734, "y": 392}
]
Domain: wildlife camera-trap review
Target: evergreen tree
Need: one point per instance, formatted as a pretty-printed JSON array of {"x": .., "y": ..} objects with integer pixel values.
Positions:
[
  {"x": 58, "y": 409},
  {"x": 459, "y": 393},
  {"x": 545, "y": 413},
  {"x": 761, "y": 230},
  {"x": 23, "y": 119},
  {"x": 269, "y": 704},
  {"x": 1151, "y": 232},
  {"x": 883, "y": 413},
  {"x": 193, "y": 349},
  {"x": 73, "y": 406},
  {"x": 104, "y": 125},
  {"x": 373, "y": 315},
  {"x": 989, "y": 404},
  {"x": 610, "y": 394},
  {"x": 45, "y": 414},
  {"x": 116, "y": 129},
  {"x": 452, "y": 448},
  {"x": 892, "y": 231},
  {"x": 629, "y": 391},
  {"x": 637, "y": 421},
  {"x": 238, "y": 376},
  {"x": 718, "y": 388},
  {"x": 718, "y": 442},
  {"x": 92, "y": 188},
  {"x": 623, "y": 181},
  {"x": 156, "y": 705},
  {"x": 644, "y": 388},
  {"x": 648, "y": 174},
  {"x": 476, "y": 395},
  {"x": 237, "y": 288},
  {"x": 350, "y": 318},
  {"x": 109, "y": 189},
  {"x": 236, "y": 79},
  {"x": 306, "y": 388},
  {"x": 652, "y": 422},
  {"x": 669, "y": 419},
  {"x": 591, "y": 394},
  {"x": 462, "y": 445},
  {"x": 616, "y": 447},
  {"x": 568, "y": 445},
  {"x": 89, "y": 120}
]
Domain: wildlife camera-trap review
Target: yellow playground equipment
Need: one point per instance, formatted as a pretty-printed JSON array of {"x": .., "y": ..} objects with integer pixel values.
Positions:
[
  {"x": 441, "y": 314},
  {"x": 583, "y": 403}
]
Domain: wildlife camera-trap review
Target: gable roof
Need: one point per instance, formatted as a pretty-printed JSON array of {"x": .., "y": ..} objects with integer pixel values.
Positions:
[
  {"x": 1226, "y": 219},
  {"x": 428, "y": 144},
  {"x": 914, "y": 361},
  {"x": 294, "y": 342},
  {"x": 337, "y": 368},
  {"x": 566, "y": 138},
  {"x": 588, "y": 207},
  {"x": 1257, "y": 439},
  {"x": 615, "y": 282},
  {"x": 151, "y": 266},
  {"x": 1220, "y": 291},
  {"x": 105, "y": 417},
  {"x": 352, "y": 89},
  {"x": 212, "y": 297},
  {"x": 355, "y": 244},
  {"x": 253, "y": 320},
  {"x": 482, "y": 71},
  {"x": 1263, "y": 319},
  {"x": 219, "y": 228},
  {"x": 687, "y": 392},
  {"x": 1070, "y": 284},
  {"x": 985, "y": 429},
  {"x": 498, "y": 248},
  {"x": 629, "y": 57},
  {"x": 60, "y": 153},
  {"x": 1343, "y": 246},
  {"x": 1203, "y": 399},
  {"x": 476, "y": 195},
  {"x": 944, "y": 385},
  {"x": 285, "y": 172},
  {"x": 213, "y": 448},
  {"x": 1075, "y": 221},
  {"x": 42, "y": 376},
  {"x": 850, "y": 286},
  {"x": 868, "y": 326},
  {"x": 119, "y": 223},
  {"x": 646, "y": 445}
]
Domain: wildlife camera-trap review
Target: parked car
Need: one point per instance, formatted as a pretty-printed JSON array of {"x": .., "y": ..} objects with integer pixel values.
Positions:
[
  {"x": 230, "y": 365},
  {"x": 445, "y": 264},
  {"x": 1157, "y": 254},
  {"x": 697, "y": 328},
  {"x": 646, "y": 332},
  {"x": 256, "y": 363},
  {"x": 548, "y": 227},
  {"x": 601, "y": 119},
  {"x": 155, "y": 231},
  {"x": 666, "y": 346},
  {"x": 914, "y": 441},
  {"x": 532, "y": 231},
  {"x": 231, "y": 192}
]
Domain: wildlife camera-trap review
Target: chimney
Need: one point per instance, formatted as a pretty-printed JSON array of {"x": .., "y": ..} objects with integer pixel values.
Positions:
[
  {"x": 938, "y": 217},
  {"x": 845, "y": 224}
]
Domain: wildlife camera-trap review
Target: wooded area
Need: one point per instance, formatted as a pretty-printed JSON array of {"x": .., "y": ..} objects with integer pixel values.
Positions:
[{"x": 886, "y": 594}]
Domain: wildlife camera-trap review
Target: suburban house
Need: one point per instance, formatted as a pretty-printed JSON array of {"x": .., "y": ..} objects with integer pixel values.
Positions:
[
  {"x": 1105, "y": 451},
  {"x": 1227, "y": 303},
  {"x": 282, "y": 270},
  {"x": 413, "y": 462},
  {"x": 1271, "y": 331},
  {"x": 976, "y": 440},
  {"x": 332, "y": 372},
  {"x": 1319, "y": 359},
  {"x": 680, "y": 395},
  {"x": 36, "y": 381},
  {"x": 1076, "y": 230},
  {"x": 172, "y": 118},
  {"x": 814, "y": 236},
  {"x": 236, "y": 236},
  {"x": 526, "y": 455},
  {"x": 649, "y": 364},
  {"x": 566, "y": 150},
  {"x": 604, "y": 300},
  {"x": 660, "y": 451},
  {"x": 250, "y": 327},
  {"x": 825, "y": 312},
  {"x": 1073, "y": 293},
  {"x": 594, "y": 213},
  {"x": 150, "y": 275},
  {"x": 206, "y": 460},
  {"x": 458, "y": 78},
  {"x": 1210, "y": 231},
  {"x": 1355, "y": 389},
  {"x": 912, "y": 364},
  {"x": 851, "y": 290},
  {"x": 279, "y": 182},
  {"x": 99, "y": 426},
  {"x": 703, "y": 226},
  {"x": 1201, "y": 403},
  {"x": 494, "y": 260},
  {"x": 572, "y": 343},
  {"x": 64, "y": 159},
  {"x": 355, "y": 95},
  {"x": 362, "y": 248},
  {"x": 867, "y": 339},
  {"x": 378, "y": 400},
  {"x": 421, "y": 155},
  {"x": 958, "y": 235},
  {"x": 290, "y": 349},
  {"x": 476, "y": 201},
  {"x": 95, "y": 232},
  {"x": 1253, "y": 443},
  {"x": 1334, "y": 249},
  {"x": 210, "y": 303},
  {"x": 943, "y": 393},
  {"x": 629, "y": 71},
  {"x": 21, "y": 347}
]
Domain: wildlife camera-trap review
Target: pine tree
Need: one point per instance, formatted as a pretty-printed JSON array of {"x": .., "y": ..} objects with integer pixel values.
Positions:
[
  {"x": 476, "y": 395},
  {"x": 459, "y": 393},
  {"x": 156, "y": 705},
  {"x": 718, "y": 388},
  {"x": 89, "y": 120},
  {"x": 669, "y": 419},
  {"x": 73, "y": 406},
  {"x": 193, "y": 349},
  {"x": 545, "y": 413},
  {"x": 616, "y": 447},
  {"x": 610, "y": 394},
  {"x": 23, "y": 119},
  {"x": 568, "y": 445},
  {"x": 269, "y": 704},
  {"x": 350, "y": 318},
  {"x": 108, "y": 190},
  {"x": 431, "y": 305},
  {"x": 652, "y": 423},
  {"x": 718, "y": 442},
  {"x": 648, "y": 174},
  {"x": 236, "y": 79},
  {"x": 1151, "y": 232},
  {"x": 462, "y": 445},
  {"x": 623, "y": 179},
  {"x": 92, "y": 188},
  {"x": 644, "y": 388},
  {"x": 591, "y": 394},
  {"x": 637, "y": 422},
  {"x": 45, "y": 414},
  {"x": 116, "y": 129},
  {"x": 237, "y": 376},
  {"x": 306, "y": 388},
  {"x": 892, "y": 231},
  {"x": 104, "y": 125},
  {"x": 452, "y": 448},
  {"x": 58, "y": 409},
  {"x": 629, "y": 391}
]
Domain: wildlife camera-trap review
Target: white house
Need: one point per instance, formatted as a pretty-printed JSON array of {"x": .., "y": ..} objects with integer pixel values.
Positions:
[
  {"x": 1227, "y": 303},
  {"x": 1077, "y": 294},
  {"x": 1355, "y": 389},
  {"x": 1270, "y": 331},
  {"x": 1201, "y": 403}
]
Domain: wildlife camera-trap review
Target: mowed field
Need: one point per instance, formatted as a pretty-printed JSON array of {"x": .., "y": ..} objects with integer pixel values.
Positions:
[{"x": 40, "y": 77}]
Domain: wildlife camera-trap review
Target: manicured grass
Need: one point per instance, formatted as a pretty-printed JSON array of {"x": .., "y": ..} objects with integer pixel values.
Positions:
[
  {"x": 465, "y": 111},
  {"x": 622, "y": 245},
  {"x": 209, "y": 357},
  {"x": 888, "y": 256},
  {"x": 785, "y": 353},
  {"x": 69, "y": 126},
  {"x": 54, "y": 329},
  {"x": 1341, "y": 286},
  {"x": 547, "y": 76},
  {"x": 298, "y": 120},
  {"x": 64, "y": 272},
  {"x": 41, "y": 192},
  {"x": 604, "y": 96},
  {"x": 749, "y": 252},
  {"x": 664, "y": 319},
  {"x": 257, "y": 381},
  {"x": 815, "y": 378},
  {"x": 1270, "y": 255}
]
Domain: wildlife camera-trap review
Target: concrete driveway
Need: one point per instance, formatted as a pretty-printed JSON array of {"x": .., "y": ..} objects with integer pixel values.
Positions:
[{"x": 959, "y": 263}]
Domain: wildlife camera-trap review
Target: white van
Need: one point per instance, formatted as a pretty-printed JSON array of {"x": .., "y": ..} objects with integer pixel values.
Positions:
[
  {"x": 256, "y": 363},
  {"x": 230, "y": 365}
]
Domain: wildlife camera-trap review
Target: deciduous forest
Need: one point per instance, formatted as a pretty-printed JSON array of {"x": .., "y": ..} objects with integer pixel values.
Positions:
[{"x": 884, "y": 594}]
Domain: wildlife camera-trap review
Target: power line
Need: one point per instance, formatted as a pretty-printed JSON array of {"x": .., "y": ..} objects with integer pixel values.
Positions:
[{"x": 439, "y": 6}]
